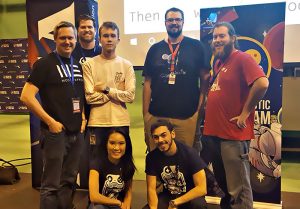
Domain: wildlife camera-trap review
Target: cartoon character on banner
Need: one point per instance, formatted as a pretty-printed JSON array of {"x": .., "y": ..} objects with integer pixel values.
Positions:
[{"x": 265, "y": 149}]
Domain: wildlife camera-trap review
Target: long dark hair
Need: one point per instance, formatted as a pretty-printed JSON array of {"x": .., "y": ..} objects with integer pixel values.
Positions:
[{"x": 126, "y": 162}]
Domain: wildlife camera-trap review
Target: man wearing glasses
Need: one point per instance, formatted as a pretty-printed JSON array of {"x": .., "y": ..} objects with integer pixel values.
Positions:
[
  {"x": 175, "y": 81},
  {"x": 178, "y": 167}
]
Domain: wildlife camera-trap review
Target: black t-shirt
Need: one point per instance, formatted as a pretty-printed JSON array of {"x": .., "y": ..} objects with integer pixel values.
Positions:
[
  {"x": 179, "y": 100},
  {"x": 111, "y": 183},
  {"x": 80, "y": 52},
  {"x": 57, "y": 92},
  {"x": 175, "y": 172}
]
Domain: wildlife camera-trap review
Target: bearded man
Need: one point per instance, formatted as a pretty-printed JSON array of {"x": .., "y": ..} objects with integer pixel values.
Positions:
[
  {"x": 178, "y": 167},
  {"x": 176, "y": 77},
  {"x": 237, "y": 85}
]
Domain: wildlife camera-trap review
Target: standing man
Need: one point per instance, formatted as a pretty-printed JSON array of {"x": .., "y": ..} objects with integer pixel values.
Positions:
[
  {"x": 178, "y": 167},
  {"x": 58, "y": 79},
  {"x": 109, "y": 84},
  {"x": 86, "y": 45},
  {"x": 173, "y": 69},
  {"x": 237, "y": 86}
]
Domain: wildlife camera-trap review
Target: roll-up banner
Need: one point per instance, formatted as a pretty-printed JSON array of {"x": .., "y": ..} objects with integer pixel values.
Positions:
[{"x": 260, "y": 30}]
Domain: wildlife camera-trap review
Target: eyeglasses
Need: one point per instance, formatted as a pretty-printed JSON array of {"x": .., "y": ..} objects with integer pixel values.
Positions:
[{"x": 177, "y": 20}]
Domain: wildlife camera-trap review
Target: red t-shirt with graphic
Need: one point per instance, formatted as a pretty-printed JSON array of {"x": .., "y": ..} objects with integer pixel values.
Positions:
[{"x": 228, "y": 95}]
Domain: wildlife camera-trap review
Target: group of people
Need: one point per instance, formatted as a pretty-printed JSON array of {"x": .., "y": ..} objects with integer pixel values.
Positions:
[{"x": 86, "y": 85}]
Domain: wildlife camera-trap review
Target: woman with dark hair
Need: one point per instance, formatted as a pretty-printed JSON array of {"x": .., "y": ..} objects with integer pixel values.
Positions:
[{"x": 111, "y": 172}]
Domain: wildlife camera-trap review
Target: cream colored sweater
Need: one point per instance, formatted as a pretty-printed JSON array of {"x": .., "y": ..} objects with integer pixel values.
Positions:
[{"x": 118, "y": 74}]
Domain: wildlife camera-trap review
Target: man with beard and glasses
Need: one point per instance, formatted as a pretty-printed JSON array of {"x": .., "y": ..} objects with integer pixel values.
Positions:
[
  {"x": 175, "y": 81},
  {"x": 86, "y": 47},
  {"x": 58, "y": 79},
  {"x": 237, "y": 85},
  {"x": 178, "y": 167}
]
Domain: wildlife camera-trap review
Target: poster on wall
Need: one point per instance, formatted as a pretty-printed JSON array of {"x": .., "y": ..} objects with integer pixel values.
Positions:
[
  {"x": 13, "y": 74},
  {"x": 260, "y": 30},
  {"x": 42, "y": 16}
]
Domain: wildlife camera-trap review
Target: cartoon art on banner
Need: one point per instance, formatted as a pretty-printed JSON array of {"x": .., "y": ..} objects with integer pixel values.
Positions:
[
  {"x": 42, "y": 16},
  {"x": 261, "y": 36}
]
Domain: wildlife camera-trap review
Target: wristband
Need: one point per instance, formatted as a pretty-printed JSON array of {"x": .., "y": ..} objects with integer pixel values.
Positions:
[
  {"x": 172, "y": 204},
  {"x": 106, "y": 90}
]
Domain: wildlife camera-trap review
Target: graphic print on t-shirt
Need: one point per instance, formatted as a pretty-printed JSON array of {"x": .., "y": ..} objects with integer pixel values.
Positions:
[
  {"x": 113, "y": 185},
  {"x": 173, "y": 179},
  {"x": 215, "y": 86},
  {"x": 65, "y": 73},
  {"x": 168, "y": 57}
]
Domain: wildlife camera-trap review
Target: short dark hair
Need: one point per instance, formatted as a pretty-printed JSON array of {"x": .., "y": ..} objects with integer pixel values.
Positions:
[
  {"x": 111, "y": 25},
  {"x": 231, "y": 31},
  {"x": 64, "y": 24},
  {"x": 160, "y": 123},
  {"x": 174, "y": 9},
  {"x": 85, "y": 17}
]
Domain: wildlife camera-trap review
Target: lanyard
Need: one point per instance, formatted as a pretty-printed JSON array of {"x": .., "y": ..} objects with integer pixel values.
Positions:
[
  {"x": 174, "y": 53},
  {"x": 67, "y": 72},
  {"x": 217, "y": 65}
]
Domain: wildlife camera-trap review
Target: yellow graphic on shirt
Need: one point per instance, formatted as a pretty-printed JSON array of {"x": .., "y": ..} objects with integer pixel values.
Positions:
[{"x": 215, "y": 86}]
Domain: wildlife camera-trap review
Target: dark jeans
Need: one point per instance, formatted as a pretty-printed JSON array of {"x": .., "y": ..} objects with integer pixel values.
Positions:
[
  {"x": 232, "y": 170},
  {"x": 61, "y": 155},
  {"x": 164, "y": 199},
  {"x": 100, "y": 206}
]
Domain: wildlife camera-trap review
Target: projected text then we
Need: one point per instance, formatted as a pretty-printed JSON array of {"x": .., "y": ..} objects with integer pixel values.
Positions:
[{"x": 144, "y": 17}]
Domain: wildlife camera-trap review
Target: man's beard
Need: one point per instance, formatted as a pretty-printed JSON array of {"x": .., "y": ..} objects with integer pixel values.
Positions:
[
  {"x": 227, "y": 49},
  {"x": 169, "y": 146},
  {"x": 174, "y": 34}
]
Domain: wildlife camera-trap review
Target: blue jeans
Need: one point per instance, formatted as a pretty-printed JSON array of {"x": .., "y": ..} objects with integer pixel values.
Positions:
[
  {"x": 232, "y": 170},
  {"x": 61, "y": 155},
  {"x": 164, "y": 199},
  {"x": 99, "y": 206}
]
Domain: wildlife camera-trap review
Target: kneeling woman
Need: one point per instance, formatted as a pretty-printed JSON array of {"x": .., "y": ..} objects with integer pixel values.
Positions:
[{"x": 111, "y": 173}]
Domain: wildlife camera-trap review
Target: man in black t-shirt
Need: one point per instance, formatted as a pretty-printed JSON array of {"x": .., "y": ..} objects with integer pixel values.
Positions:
[
  {"x": 86, "y": 47},
  {"x": 58, "y": 80},
  {"x": 175, "y": 81},
  {"x": 178, "y": 167}
]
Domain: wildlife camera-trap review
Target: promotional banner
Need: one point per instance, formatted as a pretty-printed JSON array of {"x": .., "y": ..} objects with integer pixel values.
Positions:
[
  {"x": 260, "y": 30},
  {"x": 13, "y": 74},
  {"x": 42, "y": 16}
]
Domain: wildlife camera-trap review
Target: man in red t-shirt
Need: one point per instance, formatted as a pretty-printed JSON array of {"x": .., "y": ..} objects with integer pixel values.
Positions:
[{"x": 237, "y": 86}]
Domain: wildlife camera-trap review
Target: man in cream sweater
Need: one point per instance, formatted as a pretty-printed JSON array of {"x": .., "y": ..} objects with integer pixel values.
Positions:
[{"x": 109, "y": 82}]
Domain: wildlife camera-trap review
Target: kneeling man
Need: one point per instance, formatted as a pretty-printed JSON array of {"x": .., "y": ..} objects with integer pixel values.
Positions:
[{"x": 178, "y": 167}]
